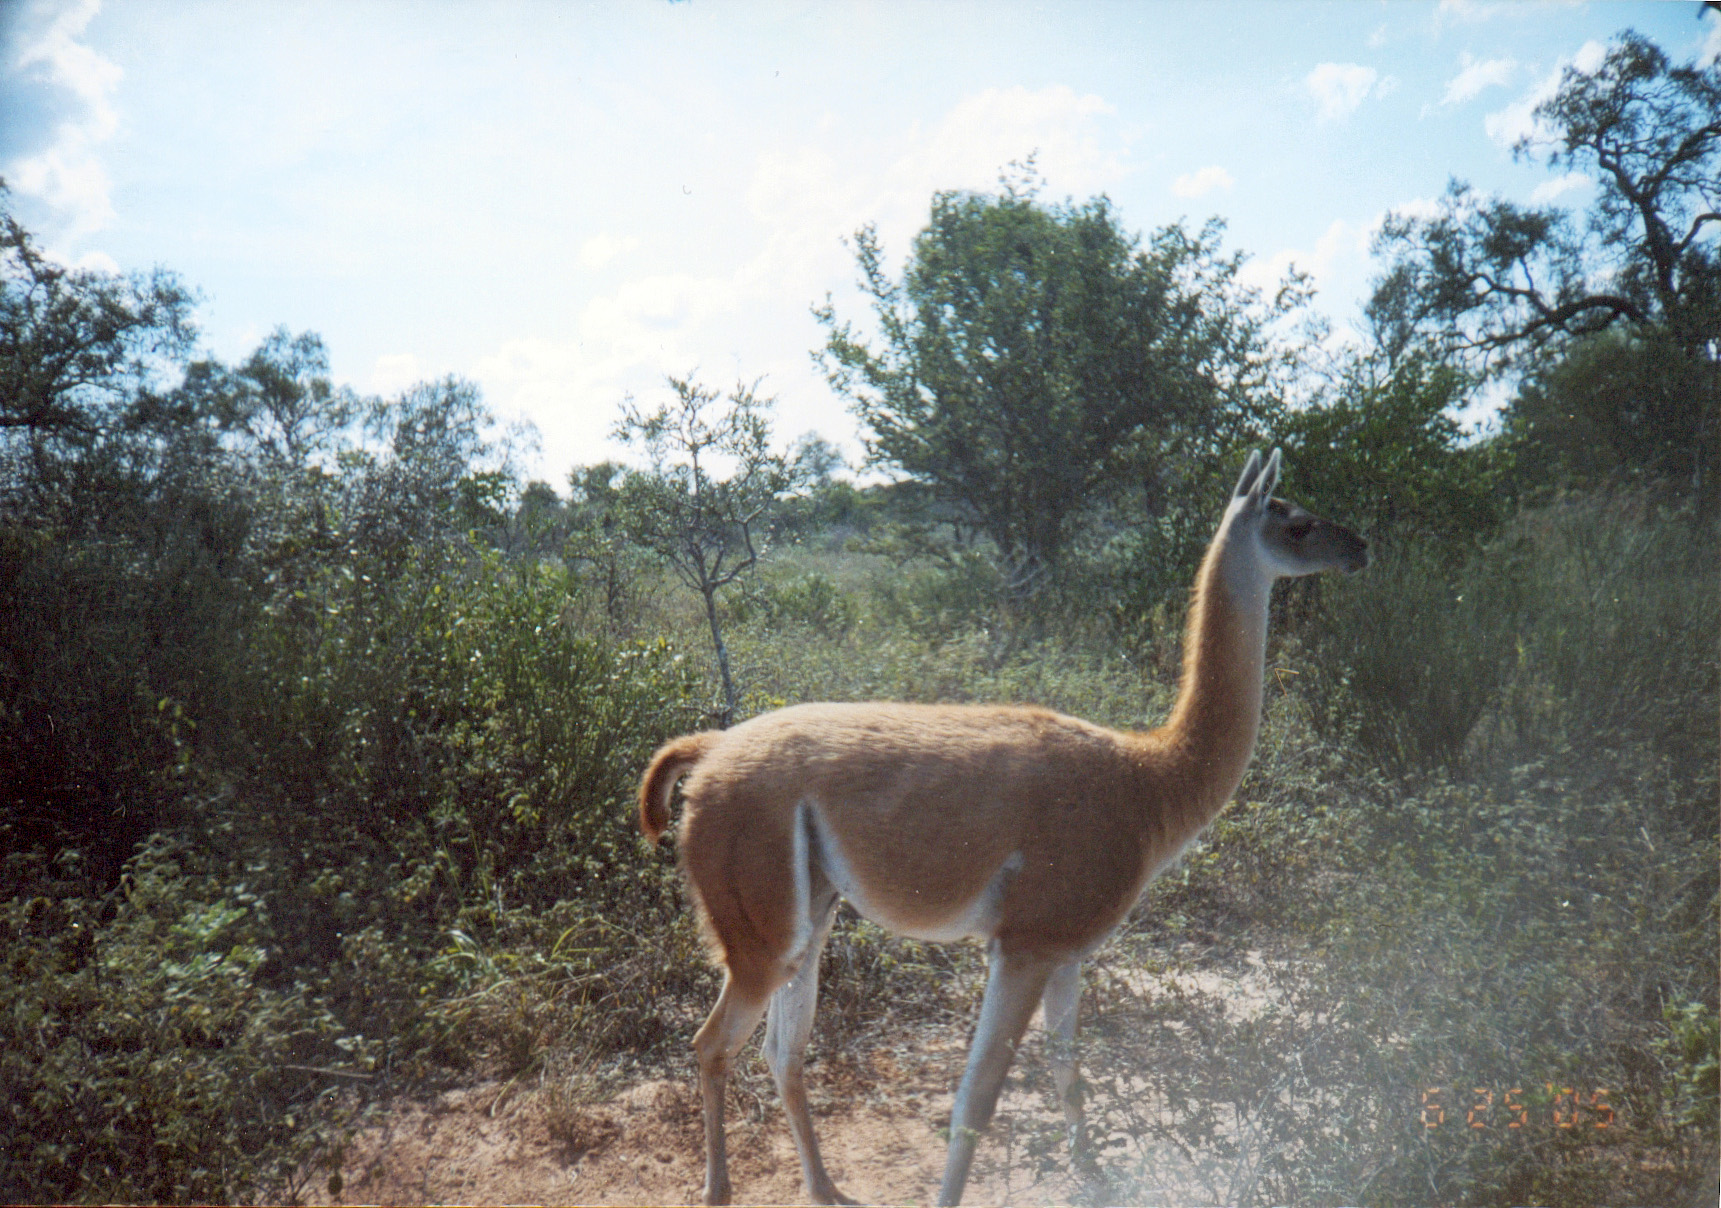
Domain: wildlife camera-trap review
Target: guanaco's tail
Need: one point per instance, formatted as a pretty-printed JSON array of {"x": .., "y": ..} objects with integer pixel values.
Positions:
[{"x": 672, "y": 761}]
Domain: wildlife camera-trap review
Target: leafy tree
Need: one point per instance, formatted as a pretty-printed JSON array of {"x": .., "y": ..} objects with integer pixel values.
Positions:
[
  {"x": 1384, "y": 451},
  {"x": 826, "y": 508},
  {"x": 815, "y": 459},
  {"x": 77, "y": 345},
  {"x": 1620, "y": 407},
  {"x": 703, "y": 526},
  {"x": 1032, "y": 353},
  {"x": 1491, "y": 278},
  {"x": 117, "y": 551},
  {"x": 279, "y": 402},
  {"x": 595, "y": 547},
  {"x": 431, "y": 471},
  {"x": 539, "y": 525},
  {"x": 1503, "y": 287}
]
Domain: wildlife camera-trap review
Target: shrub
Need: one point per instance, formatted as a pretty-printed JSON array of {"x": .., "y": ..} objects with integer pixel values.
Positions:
[
  {"x": 115, "y": 647},
  {"x": 1428, "y": 662},
  {"x": 1513, "y": 938},
  {"x": 1624, "y": 595},
  {"x": 442, "y": 769},
  {"x": 460, "y": 732},
  {"x": 963, "y": 590},
  {"x": 1407, "y": 660},
  {"x": 144, "y": 1056},
  {"x": 811, "y": 600}
]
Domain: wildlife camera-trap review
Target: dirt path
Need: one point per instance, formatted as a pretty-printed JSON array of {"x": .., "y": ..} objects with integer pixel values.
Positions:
[
  {"x": 880, "y": 1104},
  {"x": 879, "y": 1116}
]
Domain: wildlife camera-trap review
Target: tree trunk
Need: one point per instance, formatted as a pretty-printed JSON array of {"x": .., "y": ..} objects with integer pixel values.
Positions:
[{"x": 729, "y": 701}]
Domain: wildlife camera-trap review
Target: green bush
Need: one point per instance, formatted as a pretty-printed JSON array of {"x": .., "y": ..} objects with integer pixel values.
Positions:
[
  {"x": 401, "y": 789},
  {"x": 440, "y": 764},
  {"x": 1464, "y": 937},
  {"x": 116, "y": 647},
  {"x": 1624, "y": 597},
  {"x": 962, "y": 591},
  {"x": 810, "y": 600},
  {"x": 456, "y": 721},
  {"x": 145, "y": 1057},
  {"x": 1427, "y": 661},
  {"x": 1409, "y": 658},
  {"x": 1694, "y": 1045}
]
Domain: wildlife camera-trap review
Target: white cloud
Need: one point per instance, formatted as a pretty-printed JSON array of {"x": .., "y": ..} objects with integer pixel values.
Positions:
[
  {"x": 1416, "y": 207},
  {"x": 600, "y": 249},
  {"x": 1342, "y": 87},
  {"x": 392, "y": 373},
  {"x": 92, "y": 261},
  {"x": 1463, "y": 12},
  {"x": 1590, "y": 56},
  {"x": 1202, "y": 182},
  {"x": 623, "y": 342},
  {"x": 1711, "y": 52},
  {"x": 704, "y": 307},
  {"x": 1476, "y": 76},
  {"x": 1339, "y": 250},
  {"x": 987, "y": 130},
  {"x": 809, "y": 197},
  {"x": 1549, "y": 190},
  {"x": 74, "y": 66},
  {"x": 68, "y": 174},
  {"x": 1518, "y": 119}
]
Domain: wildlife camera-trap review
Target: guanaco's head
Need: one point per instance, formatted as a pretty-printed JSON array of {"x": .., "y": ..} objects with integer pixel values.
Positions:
[{"x": 1288, "y": 540}]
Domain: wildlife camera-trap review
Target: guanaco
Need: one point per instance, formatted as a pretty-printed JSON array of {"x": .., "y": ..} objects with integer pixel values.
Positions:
[{"x": 1029, "y": 830}]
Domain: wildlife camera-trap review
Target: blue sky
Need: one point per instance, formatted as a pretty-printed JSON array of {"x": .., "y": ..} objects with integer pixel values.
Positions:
[{"x": 565, "y": 201}]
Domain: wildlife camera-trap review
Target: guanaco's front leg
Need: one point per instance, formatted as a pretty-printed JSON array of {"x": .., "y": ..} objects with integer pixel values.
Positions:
[{"x": 1013, "y": 988}]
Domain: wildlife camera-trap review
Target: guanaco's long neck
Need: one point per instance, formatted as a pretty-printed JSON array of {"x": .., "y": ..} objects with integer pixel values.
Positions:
[{"x": 1211, "y": 732}]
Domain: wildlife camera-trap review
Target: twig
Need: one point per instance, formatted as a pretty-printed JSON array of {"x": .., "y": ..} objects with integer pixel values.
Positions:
[{"x": 333, "y": 1073}]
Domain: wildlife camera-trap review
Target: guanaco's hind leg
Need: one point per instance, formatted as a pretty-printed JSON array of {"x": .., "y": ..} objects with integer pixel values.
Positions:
[
  {"x": 1013, "y": 988},
  {"x": 716, "y": 1045},
  {"x": 788, "y": 1027}
]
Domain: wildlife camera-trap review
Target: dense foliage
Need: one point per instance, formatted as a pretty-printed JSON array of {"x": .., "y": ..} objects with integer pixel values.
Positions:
[
  {"x": 281, "y": 719},
  {"x": 1033, "y": 355},
  {"x": 1507, "y": 287}
]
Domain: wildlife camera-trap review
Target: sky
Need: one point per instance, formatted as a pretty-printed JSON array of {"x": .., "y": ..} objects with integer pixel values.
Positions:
[{"x": 564, "y": 202}]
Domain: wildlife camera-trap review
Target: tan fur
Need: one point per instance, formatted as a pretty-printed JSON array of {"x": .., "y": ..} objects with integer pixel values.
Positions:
[
  {"x": 668, "y": 766},
  {"x": 927, "y": 809}
]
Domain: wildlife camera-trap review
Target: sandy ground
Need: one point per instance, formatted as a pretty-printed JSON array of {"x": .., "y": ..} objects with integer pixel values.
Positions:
[
  {"x": 878, "y": 1115},
  {"x": 879, "y": 1105}
]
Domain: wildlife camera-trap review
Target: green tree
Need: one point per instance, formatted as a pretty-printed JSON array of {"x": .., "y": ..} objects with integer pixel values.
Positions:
[
  {"x": 539, "y": 525},
  {"x": 279, "y": 403},
  {"x": 1500, "y": 286},
  {"x": 121, "y": 523},
  {"x": 435, "y": 469},
  {"x": 77, "y": 346},
  {"x": 1031, "y": 354},
  {"x": 597, "y": 547},
  {"x": 1619, "y": 407},
  {"x": 704, "y": 527},
  {"x": 1384, "y": 450}
]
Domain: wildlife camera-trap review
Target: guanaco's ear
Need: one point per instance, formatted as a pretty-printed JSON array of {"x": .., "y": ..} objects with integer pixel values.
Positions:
[
  {"x": 1269, "y": 480},
  {"x": 1251, "y": 469}
]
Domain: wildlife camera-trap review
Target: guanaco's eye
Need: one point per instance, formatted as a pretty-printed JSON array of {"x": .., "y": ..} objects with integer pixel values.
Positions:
[{"x": 1298, "y": 529}]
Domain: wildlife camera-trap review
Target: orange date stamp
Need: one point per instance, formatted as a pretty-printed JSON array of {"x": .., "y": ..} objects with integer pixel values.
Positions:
[{"x": 1486, "y": 1107}]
